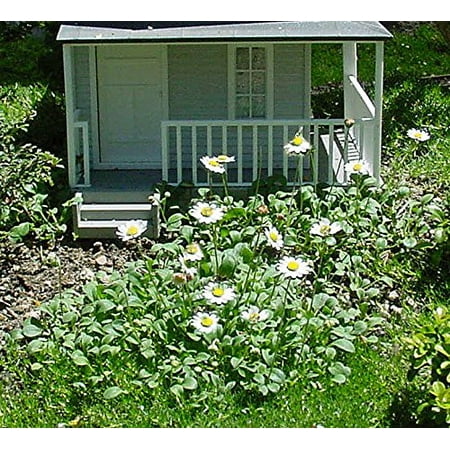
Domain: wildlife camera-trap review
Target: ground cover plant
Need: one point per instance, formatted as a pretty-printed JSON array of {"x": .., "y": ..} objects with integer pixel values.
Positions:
[{"x": 295, "y": 307}]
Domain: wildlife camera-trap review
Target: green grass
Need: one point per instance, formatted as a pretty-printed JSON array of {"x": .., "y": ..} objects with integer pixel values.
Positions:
[{"x": 365, "y": 401}]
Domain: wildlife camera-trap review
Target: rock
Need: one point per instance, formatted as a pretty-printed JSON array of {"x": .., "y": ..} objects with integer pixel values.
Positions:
[{"x": 101, "y": 260}]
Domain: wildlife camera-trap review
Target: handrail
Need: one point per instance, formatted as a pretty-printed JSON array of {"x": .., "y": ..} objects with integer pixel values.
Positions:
[{"x": 362, "y": 96}]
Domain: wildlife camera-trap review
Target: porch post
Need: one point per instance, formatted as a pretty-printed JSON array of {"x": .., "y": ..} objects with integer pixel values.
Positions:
[
  {"x": 379, "y": 73},
  {"x": 69, "y": 96},
  {"x": 350, "y": 57}
]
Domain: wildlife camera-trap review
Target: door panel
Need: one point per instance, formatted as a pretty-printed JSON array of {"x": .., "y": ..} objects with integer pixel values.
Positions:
[{"x": 130, "y": 107}]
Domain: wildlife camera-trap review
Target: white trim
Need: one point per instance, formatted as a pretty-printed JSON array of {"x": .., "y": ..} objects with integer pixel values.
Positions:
[
  {"x": 165, "y": 82},
  {"x": 94, "y": 105},
  {"x": 364, "y": 98},
  {"x": 379, "y": 74},
  {"x": 69, "y": 97}
]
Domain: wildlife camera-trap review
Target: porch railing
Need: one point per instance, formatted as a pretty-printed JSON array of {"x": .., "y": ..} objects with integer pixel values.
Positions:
[
  {"x": 81, "y": 165},
  {"x": 258, "y": 149}
]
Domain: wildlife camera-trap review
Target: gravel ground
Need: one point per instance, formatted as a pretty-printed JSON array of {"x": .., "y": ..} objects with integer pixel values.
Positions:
[{"x": 29, "y": 275}]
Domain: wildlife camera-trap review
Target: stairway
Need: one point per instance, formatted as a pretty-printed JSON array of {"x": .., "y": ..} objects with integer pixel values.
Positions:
[{"x": 100, "y": 220}]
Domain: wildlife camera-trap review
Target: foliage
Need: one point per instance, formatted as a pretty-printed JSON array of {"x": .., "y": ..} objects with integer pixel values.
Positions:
[
  {"x": 25, "y": 170},
  {"x": 138, "y": 330},
  {"x": 430, "y": 365}
]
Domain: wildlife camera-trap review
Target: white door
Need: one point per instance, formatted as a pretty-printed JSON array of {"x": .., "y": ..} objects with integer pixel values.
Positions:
[{"x": 129, "y": 106}]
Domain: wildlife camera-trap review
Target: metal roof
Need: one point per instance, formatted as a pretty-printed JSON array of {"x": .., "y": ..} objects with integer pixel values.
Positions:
[{"x": 245, "y": 31}]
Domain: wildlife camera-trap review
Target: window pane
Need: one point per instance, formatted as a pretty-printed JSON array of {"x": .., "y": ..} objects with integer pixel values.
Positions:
[
  {"x": 242, "y": 107},
  {"x": 258, "y": 83},
  {"x": 258, "y": 58},
  {"x": 259, "y": 106},
  {"x": 243, "y": 83},
  {"x": 242, "y": 58}
]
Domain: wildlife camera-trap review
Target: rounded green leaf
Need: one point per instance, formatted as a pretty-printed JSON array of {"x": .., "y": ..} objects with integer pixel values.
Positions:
[
  {"x": 344, "y": 344},
  {"x": 190, "y": 383},
  {"x": 112, "y": 392},
  {"x": 30, "y": 330}
]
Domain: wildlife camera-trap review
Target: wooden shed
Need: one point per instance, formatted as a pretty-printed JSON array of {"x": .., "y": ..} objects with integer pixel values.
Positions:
[{"x": 145, "y": 100}]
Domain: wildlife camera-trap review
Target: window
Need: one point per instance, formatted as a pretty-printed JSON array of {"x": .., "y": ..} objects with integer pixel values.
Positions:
[{"x": 251, "y": 82}]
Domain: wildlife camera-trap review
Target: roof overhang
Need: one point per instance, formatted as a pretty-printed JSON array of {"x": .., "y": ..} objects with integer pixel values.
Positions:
[{"x": 257, "y": 31}]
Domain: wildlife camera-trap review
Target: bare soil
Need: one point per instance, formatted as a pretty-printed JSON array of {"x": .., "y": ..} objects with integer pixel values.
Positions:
[{"x": 31, "y": 275}]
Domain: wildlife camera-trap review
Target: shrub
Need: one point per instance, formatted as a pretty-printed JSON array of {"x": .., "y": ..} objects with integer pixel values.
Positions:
[
  {"x": 430, "y": 365},
  {"x": 25, "y": 170}
]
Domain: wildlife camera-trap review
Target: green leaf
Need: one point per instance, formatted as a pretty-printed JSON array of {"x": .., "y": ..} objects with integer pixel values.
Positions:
[
  {"x": 409, "y": 242},
  {"x": 174, "y": 222},
  {"x": 112, "y": 392},
  {"x": 30, "y": 330},
  {"x": 319, "y": 301},
  {"x": 277, "y": 375},
  {"x": 235, "y": 362},
  {"x": 190, "y": 383},
  {"x": 344, "y": 344},
  {"x": 79, "y": 359},
  {"x": 339, "y": 378},
  {"x": 105, "y": 305},
  {"x": 177, "y": 390},
  {"x": 19, "y": 231},
  {"x": 268, "y": 358},
  {"x": 228, "y": 266}
]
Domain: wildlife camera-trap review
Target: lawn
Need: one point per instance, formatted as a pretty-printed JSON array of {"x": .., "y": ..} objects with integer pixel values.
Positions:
[{"x": 311, "y": 308}]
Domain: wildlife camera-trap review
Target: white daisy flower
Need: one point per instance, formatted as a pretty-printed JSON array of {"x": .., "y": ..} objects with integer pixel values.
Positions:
[
  {"x": 358, "y": 167},
  {"x": 205, "y": 322},
  {"x": 325, "y": 228},
  {"x": 298, "y": 145},
  {"x": 131, "y": 229},
  {"x": 193, "y": 252},
  {"x": 418, "y": 135},
  {"x": 274, "y": 238},
  {"x": 218, "y": 293},
  {"x": 207, "y": 212},
  {"x": 254, "y": 314},
  {"x": 294, "y": 267},
  {"x": 224, "y": 159},
  {"x": 212, "y": 164}
]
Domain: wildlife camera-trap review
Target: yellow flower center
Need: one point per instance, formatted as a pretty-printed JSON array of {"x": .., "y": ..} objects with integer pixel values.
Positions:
[
  {"x": 298, "y": 140},
  {"x": 132, "y": 230},
  {"x": 207, "y": 321},
  {"x": 418, "y": 135},
  {"x": 214, "y": 163},
  {"x": 273, "y": 236},
  {"x": 222, "y": 158},
  {"x": 192, "y": 249},
  {"x": 218, "y": 291},
  {"x": 207, "y": 211},
  {"x": 293, "y": 265},
  {"x": 253, "y": 317},
  {"x": 325, "y": 229},
  {"x": 357, "y": 167}
]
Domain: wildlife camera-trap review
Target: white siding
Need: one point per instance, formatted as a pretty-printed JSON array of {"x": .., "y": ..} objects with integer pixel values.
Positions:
[
  {"x": 197, "y": 82},
  {"x": 289, "y": 81},
  {"x": 82, "y": 81}
]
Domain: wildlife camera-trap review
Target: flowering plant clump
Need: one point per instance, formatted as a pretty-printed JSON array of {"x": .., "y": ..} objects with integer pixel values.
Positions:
[{"x": 226, "y": 303}]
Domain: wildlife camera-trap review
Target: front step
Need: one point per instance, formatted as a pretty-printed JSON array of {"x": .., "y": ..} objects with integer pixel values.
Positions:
[{"x": 100, "y": 220}]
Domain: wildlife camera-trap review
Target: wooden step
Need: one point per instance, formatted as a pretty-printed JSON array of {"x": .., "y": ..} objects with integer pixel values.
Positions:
[{"x": 100, "y": 220}]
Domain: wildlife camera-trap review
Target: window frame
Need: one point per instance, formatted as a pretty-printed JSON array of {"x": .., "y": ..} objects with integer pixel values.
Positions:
[{"x": 232, "y": 72}]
